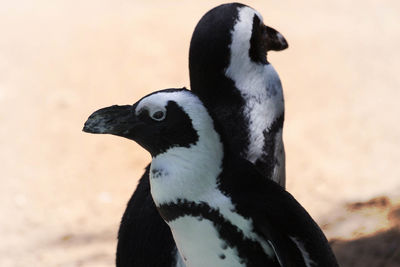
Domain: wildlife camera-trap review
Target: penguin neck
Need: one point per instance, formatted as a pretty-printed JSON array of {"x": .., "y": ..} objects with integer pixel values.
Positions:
[
  {"x": 260, "y": 87},
  {"x": 188, "y": 172},
  {"x": 254, "y": 79}
]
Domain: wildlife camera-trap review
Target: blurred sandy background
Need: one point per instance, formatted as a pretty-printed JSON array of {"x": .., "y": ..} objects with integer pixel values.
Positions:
[{"x": 63, "y": 192}]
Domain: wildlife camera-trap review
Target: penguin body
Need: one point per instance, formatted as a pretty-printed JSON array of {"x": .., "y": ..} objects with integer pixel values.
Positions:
[
  {"x": 221, "y": 210},
  {"x": 247, "y": 99}
]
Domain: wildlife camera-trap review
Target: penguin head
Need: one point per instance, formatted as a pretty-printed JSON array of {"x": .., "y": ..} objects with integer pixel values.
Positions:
[
  {"x": 251, "y": 37},
  {"x": 158, "y": 122},
  {"x": 222, "y": 29}
]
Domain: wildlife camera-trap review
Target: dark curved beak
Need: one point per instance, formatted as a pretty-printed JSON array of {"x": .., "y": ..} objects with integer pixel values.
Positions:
[
  {"x": 274, "y": 39},
  {"x": 116, "y": 120}
]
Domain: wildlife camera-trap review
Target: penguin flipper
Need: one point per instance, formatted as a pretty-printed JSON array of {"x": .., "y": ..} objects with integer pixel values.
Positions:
[{"x": 286, "y": 251}]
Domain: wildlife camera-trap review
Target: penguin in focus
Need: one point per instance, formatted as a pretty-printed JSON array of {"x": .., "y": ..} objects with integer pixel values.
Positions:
[
  {"x": 250, "y": 110},
  {"x": 220, "y": 209}
]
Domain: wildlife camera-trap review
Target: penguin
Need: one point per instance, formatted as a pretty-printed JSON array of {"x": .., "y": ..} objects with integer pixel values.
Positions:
[
  {"x": 248, "y": 102},
  {"x": 219, "y": 207},
  {"x": 242, "y": 88}
]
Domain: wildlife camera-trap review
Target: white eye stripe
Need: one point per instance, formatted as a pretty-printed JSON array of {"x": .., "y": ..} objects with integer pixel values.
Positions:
[{"x": 156, "y": 111}]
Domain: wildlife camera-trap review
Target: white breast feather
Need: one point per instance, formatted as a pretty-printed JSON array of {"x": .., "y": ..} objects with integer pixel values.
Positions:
[{"x": 259, "y": 85}]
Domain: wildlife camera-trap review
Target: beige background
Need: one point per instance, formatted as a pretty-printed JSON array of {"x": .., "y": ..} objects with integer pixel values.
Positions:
[{"x": 63, "y": 192}]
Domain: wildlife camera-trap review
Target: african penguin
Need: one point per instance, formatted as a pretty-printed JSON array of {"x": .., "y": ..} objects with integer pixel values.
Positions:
[
  {"x": 242, "y": 88},
  {"x": 220, "y": 209},
  {"x": 230, "y": 73}
]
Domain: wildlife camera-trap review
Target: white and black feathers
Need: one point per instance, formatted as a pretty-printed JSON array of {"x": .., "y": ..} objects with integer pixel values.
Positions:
[
  {"x": 230, "y": 73},
  {"x": 221, "y": 211}
]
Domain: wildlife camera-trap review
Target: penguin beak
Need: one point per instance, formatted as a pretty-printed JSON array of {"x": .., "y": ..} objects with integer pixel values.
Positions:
[
  {"x": 274, "y": 40},
  {"x": 115, "y": 120}
]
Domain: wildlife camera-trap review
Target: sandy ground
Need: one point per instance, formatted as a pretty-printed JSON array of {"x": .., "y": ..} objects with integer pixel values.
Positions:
[{"x": 63, "y": 192}]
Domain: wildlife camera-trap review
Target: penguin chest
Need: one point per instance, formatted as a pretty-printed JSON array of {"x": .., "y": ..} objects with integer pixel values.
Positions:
[{"x": 199, "y": 243}]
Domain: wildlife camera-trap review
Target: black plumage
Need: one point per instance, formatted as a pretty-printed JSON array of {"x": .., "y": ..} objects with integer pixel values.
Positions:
[{"x": 143, "y": 238}]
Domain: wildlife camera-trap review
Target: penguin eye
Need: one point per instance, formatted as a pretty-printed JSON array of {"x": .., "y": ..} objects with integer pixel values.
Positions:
[{"x": 158, "y": 115}]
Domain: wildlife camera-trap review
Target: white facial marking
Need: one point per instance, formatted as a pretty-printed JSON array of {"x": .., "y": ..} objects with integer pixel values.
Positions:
[
  {"x": 153, "y": 107},
  {"x": 258, "y": 84},
  {"x": 186, "y": 172}
]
